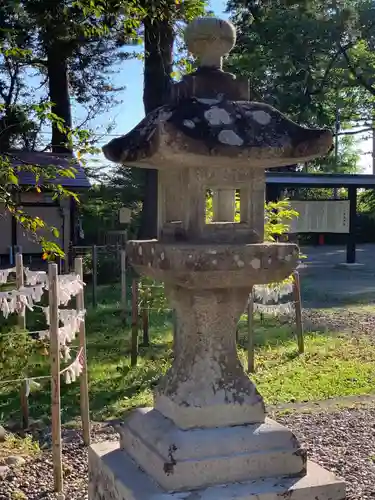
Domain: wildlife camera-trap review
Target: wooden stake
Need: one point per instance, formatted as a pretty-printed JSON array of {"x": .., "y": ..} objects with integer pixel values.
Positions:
[
  {"x": 84, "y": 388},
  {"x": 145, "y": 327},
  {"x": 124, "y": 305},
  {"x": 134, "y": 340},
  {"x": 174, "y": 331},
  {"x": 55, "y": 377},
  {"x": 94, "y": 276},
  {"x": 250, "y": 334},
  {"x": 298, "y": 310},
  {"x": 11, "y": 255},
  {"x": 21, "y": 319},
  {"x": 24, "y": 398}
]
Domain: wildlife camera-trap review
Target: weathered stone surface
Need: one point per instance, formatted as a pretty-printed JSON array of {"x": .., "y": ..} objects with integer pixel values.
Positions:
[
  {"x": 210, "y": 39},
  {"x": 223, "y": 204},
  {"x": 206, "y": 385},
  {"x": 182, "y": 205},
  {"x": 15, "y": 460},
  {"x": 114, "y": 476},
  {"x": 4, "y": 469},
  {"x": 179, "y": 459},
  {"x": 213, "y": 266},
  {"x": 200, "y": 130}
]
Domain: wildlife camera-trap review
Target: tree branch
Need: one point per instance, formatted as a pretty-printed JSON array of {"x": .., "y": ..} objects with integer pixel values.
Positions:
[
  {"x": 353, "y": 71},
  {"x": 326, "y": 74},
  {"x": 354, "y": 132}
]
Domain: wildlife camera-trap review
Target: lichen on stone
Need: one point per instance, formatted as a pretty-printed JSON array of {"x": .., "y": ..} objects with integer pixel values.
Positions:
[{"x": 249, "y": 127}]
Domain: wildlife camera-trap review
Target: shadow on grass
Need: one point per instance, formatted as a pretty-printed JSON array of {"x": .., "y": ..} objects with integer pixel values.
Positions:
[
  {"x": 268, "y": 331},
  {"x": 330, "y": 288},
  {"x": 328, "y": 301}
]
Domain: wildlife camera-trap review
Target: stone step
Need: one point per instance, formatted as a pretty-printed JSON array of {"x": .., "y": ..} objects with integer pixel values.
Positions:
[
  {"x": 183, "y": 459},
  {"x": 113, "y": 475}
]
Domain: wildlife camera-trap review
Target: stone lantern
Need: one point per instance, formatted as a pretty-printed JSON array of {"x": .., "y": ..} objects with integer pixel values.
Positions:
[{"x": 208, "y": 436}]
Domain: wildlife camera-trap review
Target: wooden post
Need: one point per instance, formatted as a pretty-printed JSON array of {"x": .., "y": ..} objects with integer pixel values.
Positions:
[
  {"x": 145, "y": 327},
  {"x": 24, "y": 398},
  {"x": 174, "y": 331},
  {"x": 19, "y": 284},
  {"x": 134, "y": 340},
  {"x": 84, "y": 389},
  {"x": 66, "y": 264},
  {"x": 11, "y": 254},
  {"x": 21, "y": 320},
  {"x": 55, "y": 377},
  {"x": 298, "y": 310},
  {"x": 250, "y": 333},
  {"x": 123, "y": 286},
  {"x": 351, "y": 241},
  {"x": 94, "y": 276}
]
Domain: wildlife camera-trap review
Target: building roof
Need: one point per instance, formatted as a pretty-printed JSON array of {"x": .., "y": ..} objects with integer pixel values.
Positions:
[
  {"x": 44, "y": 158},
  {"x": 297, "y": 179}
]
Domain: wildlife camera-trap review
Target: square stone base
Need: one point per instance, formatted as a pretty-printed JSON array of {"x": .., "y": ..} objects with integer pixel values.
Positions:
[
  {"x": 182, "y": 460},
  {"x": 114, "y": 476}
]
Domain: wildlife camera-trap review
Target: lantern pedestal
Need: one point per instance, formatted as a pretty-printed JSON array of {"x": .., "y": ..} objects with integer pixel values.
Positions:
[{"x": 208, "y": 433}]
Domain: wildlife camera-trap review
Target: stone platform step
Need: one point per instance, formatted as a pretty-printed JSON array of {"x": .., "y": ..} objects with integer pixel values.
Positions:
[
  {"x": 195, "y": 458},
  {"x": 113, "y": 475}
]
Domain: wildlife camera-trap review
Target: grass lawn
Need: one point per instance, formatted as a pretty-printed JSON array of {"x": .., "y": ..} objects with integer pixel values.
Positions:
[{"x": 334, "y": 365}]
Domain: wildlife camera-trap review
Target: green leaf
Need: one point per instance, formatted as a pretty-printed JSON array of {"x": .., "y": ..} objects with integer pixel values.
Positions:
[{"x": 12, "y": 178}]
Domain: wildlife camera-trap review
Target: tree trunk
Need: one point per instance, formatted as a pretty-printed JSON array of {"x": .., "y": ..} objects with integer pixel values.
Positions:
[
  {"x": 158, "y": 63},
  {"x": 158, "y": 38},
  {"x": 57, "y": 69}
]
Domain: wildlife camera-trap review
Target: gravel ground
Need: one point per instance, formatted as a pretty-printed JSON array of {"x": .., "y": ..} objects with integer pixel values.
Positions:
[
  {"x": 342, "y": 441},
  {"x": 34, "y": 479},
  {"x": 343, "y": 321}
]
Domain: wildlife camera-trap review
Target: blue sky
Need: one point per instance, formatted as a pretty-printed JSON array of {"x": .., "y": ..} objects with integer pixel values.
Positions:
[{"x": 127, "y": 114}]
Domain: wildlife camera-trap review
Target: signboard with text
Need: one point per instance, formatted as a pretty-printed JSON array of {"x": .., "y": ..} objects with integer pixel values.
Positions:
[{"x": 328, "y": 216}]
